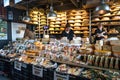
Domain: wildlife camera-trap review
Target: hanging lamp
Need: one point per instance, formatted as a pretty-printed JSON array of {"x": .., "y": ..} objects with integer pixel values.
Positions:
[
  {"x": 51, "y": 14},
  {"x": 102, "y": 8},
  {"x": 27, "y": 17}
]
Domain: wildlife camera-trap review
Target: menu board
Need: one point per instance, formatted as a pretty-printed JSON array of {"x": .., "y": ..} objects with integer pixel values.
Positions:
[{"x": 3, "y": 30}]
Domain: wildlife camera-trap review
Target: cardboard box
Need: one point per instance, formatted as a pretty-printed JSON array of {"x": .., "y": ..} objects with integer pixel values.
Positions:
[
  {"x": 115, "y": 42},
  {"x": 107, "y": 48},
  {"x": 116, "y": 49}
]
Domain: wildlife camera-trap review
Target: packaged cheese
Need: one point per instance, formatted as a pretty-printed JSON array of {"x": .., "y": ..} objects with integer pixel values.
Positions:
[
  {"x": 116, "y": 49},
  {"x": 115, "y": 43},
  {"x": 107, "y": 47}
]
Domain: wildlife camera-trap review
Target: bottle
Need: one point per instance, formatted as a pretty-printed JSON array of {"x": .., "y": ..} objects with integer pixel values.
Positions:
[
  {"x": 117, "y": 63},
  {"x": 111, "y": 62},
  {"x": 106, "y": 62}
]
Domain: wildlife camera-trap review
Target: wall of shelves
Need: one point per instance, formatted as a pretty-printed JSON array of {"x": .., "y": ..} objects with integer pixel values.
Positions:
[
  {"x": 111, "y": 21},
  {"x": 38, "y": 17},
  {"x": 79, "y": 20},
  {"x": 57, "y": 25}
]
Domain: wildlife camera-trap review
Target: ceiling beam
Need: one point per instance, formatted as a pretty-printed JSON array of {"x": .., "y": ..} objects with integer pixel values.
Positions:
[{"x": 75, "y": 3}]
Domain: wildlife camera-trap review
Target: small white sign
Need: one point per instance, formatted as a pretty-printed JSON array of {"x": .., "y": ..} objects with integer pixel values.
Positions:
[
  {"x": 58, "y": 76},
  {"x": 17, "y": 65},
  {"x": 37, "y": 71}
]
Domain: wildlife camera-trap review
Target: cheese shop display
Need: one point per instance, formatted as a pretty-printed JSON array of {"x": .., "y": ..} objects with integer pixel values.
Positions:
[{"x": 64, "y": 58}]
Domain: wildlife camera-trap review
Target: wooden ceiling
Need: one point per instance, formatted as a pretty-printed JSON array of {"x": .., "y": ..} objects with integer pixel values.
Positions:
[{"x": 58, "y": 4}]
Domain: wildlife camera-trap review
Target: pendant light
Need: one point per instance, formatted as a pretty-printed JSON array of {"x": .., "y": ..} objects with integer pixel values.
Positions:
[
  {"x": 26, "y": 18},
  {"x": 102, "y": 8},
  {"x": 51, "y": 14}
]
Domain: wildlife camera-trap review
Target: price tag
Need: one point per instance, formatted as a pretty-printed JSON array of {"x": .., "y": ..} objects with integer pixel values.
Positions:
[
  {"x": 37, "y": 71},
  {"x": 17, "y": 65},
  {"x": 24, "y": 65},
  {"x": 58, "y": 76}
]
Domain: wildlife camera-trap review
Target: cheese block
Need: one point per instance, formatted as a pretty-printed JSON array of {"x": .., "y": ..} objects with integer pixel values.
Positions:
[
  {"x": 105, "y": 18},
  {"x": 115, "y": 42},
  {"x": 77, "y": 24},
  {"x": 116, "y": 18},
  {"x": 108, "y": 14},
  {"x": 76, "y": 28},
  {"x": 116, "y": 49}
]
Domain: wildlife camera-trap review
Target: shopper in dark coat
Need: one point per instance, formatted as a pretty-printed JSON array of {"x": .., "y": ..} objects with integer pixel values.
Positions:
[
  {"x": 100, "y": 33},
  {"x": 68, "y": 32}
]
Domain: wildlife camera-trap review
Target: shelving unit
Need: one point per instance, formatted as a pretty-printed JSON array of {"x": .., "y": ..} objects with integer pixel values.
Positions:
[
  {"x": 39, "y": 18},
  {"x": 111, "y": 21},
  {"x": 57, "y": 25},
  {"x": 79, "y": 20}
]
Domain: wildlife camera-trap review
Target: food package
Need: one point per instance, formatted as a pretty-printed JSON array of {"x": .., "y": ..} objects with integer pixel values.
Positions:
[
  {"x": 115, "y": 42},
  {"x": 76, "y": 40},
  {"x": 116, "y": 48},
  {"x": 107, "y": 47},
  {"x": 98, "y": 47}
]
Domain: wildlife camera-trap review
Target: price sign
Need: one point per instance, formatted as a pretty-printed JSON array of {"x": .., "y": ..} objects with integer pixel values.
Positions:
[
  {"x": 17, "y": 65},
  {"x": 37, "y": 71},
  {"x": 58, "y": 76}
]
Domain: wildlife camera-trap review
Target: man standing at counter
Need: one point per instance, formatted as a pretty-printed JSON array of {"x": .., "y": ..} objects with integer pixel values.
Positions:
[
  {"x": 68, "y": 32},
  {"x": 100, "y": 33}
]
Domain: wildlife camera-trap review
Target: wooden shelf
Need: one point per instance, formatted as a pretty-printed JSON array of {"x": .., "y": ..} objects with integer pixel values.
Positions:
[
  {"x": 107, "y": 21},
  {"x": 84, "y": 65},
  {"x": 108, "y": 25}
]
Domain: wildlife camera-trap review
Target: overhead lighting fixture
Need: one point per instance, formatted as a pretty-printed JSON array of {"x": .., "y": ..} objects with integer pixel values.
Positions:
[
  {"x": 51, "y": 14},
  {"x": 102, "y": 8},
  {"x": 27, "y": 17}
]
